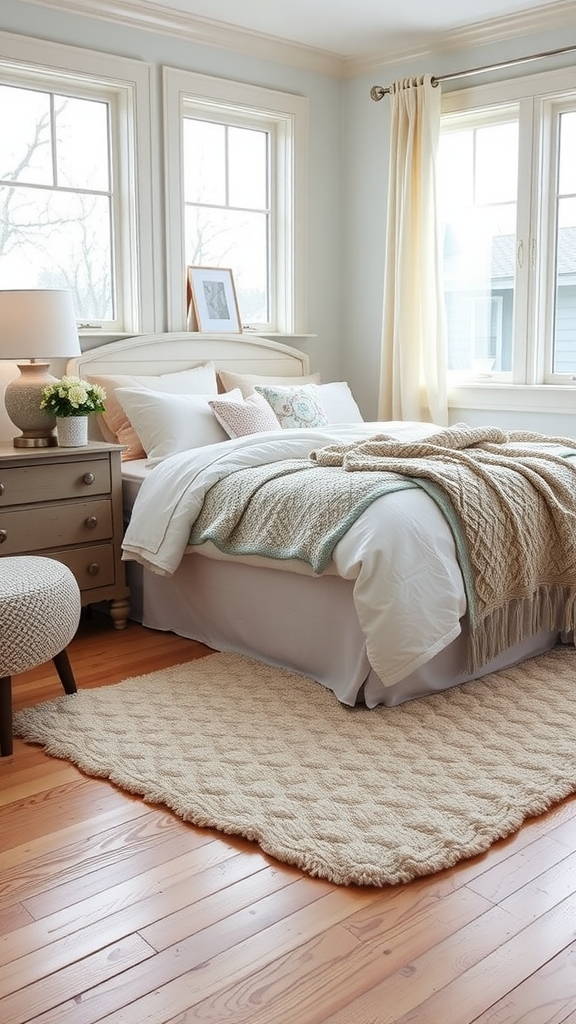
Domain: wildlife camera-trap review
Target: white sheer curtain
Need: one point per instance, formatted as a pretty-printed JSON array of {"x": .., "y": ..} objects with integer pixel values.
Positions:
[{"x": 413, "y": 369}]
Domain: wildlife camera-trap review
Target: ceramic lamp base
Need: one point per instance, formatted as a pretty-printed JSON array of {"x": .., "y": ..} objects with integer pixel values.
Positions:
[{"x": 22, "y": 399}]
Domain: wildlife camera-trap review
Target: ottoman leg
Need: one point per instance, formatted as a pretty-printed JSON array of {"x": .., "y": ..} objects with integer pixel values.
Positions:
[
  {"x": 64, "y": 670},
  {"x": 5, "y": 716}
]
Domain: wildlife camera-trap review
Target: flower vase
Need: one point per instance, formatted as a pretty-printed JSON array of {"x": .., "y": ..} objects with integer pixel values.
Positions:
[{"x": 72, "y": 431}]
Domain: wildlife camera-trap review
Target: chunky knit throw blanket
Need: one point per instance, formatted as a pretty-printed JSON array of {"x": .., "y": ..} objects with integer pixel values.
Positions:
[{"x": 511, "y": 501}]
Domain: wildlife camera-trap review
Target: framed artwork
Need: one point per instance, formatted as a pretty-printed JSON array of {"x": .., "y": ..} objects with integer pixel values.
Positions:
[{"x": 211, "y": 300}]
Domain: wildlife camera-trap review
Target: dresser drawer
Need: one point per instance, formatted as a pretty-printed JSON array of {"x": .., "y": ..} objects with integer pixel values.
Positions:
[
  {"x": 92, "y": 565},
  {"x": 54, "y": 482},
  {"x": 33, "y": 529}
]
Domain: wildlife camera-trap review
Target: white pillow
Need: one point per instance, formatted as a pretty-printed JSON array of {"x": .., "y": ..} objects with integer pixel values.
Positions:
[
  {"x": 339, "y": 403},
  {"x": 247, "y": 381},
  {"x": 168, "y": 424},
  {"x": 113, "y": 422}
]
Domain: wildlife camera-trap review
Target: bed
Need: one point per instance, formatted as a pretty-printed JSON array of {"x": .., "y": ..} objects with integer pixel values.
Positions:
[{"x": 399, "y": 633}]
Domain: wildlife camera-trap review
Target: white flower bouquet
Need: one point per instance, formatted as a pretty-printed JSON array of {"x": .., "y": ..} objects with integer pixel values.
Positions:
[{"x": 72, "y": 396}]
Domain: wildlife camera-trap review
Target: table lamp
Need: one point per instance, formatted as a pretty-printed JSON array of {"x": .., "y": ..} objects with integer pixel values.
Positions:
[{"x": 35, "y": 324}]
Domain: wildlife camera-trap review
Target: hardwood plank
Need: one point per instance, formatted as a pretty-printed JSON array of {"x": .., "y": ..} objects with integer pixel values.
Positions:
[
  {"x": 34, "y": 780},
  {"x": 507, "y": 877},
  {"x": 555, "y": 884},
  {"x": 193, "y": 972},
  {"x": 24, "y": 1005},
  {"x": 228, "y": 899},
  {"x": 565, "y": 832},
  {"x": 78, "y": 871},
  {"x": 43, "y": 844},
  {"x": 546, "y": 997},
  {"x": 501, "y": 971},
  {"x": 12, "y": 917},
  {"x": 217, "y": 892},
  {"x": 67, "y": 805},
  {"x": 447, "y": 960},
  {"x": 125, "y": 897},
  {"x": 322, "y": 975}
]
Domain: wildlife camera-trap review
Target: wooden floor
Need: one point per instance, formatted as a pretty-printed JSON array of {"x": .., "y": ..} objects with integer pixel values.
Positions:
[{"x": 114, "y": 910}]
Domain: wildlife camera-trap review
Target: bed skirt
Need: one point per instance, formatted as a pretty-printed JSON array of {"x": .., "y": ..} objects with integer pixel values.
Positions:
[{"x": 307, "y": 624}]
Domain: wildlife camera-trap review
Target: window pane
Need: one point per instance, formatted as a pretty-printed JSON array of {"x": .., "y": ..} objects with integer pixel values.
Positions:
[
  {"x": 496, "y": 171},
  {"x": 57, "y": 240},
  {"x": 82, "y": 144},
  {"x": 567, "y": 166},
  {"x": 564, "y": 341},
  {"x": 248, "y": 165},
  {"x": 478, "y": 203},
  {"x": 57, "y": 233},
  {"x": 25, "y": 131},
  {"x": 204, "y": 162},
  {"x": 456, "y": 170},
  {"x": 227, "y": 238}
]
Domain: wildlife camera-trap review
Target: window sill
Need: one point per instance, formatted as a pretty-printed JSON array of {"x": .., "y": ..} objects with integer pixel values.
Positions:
[
  {"x": 543, "y": 398},
  {"x": 279, "y": 334}
]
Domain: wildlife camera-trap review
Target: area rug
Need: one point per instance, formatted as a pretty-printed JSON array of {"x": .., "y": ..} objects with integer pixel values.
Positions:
[{"x": 348, "y": 794}]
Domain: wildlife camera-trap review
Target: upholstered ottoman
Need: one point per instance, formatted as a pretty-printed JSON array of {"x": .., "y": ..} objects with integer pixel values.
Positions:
[{"x": 39, "y": 615}]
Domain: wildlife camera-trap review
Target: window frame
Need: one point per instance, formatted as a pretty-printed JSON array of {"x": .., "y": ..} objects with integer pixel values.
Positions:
[
  {"x": 529, "y": 387},
  {"x": 126, "y": 85},
  {"x": 186, "y": 92}
]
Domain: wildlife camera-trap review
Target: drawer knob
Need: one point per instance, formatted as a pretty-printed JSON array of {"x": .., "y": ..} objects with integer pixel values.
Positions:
[
  {"x": 94, "y": 568},
  {"x": 2, "y": 488},
  {"x": 88, "y": 478},
  {"x": 91, "y": 522},
  {"x": 3, "y": 536}
]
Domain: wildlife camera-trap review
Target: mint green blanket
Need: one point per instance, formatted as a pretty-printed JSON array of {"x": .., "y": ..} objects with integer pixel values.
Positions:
[{"x": 290, "y": 509}]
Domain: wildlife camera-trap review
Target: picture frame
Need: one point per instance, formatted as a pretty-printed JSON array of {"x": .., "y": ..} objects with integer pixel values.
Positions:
[{"x": 211, "y": 300}]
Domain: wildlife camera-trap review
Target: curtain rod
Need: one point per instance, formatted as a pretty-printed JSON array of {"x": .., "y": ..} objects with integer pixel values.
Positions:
[{"x": 377, "y": 92}]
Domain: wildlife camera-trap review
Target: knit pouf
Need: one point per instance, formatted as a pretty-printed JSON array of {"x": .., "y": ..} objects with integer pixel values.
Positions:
[{"x": 39, "y": 611}]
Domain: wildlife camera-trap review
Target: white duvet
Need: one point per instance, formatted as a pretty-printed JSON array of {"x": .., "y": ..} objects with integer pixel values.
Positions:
[{"x": 408, "y": 590}]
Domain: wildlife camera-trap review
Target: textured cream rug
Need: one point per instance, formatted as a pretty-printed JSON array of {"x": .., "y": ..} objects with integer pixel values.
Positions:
[{"x": 352, "y": 795}]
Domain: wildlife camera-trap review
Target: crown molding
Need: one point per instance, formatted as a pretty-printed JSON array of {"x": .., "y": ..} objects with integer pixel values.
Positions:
[
  {"x": 170, "y": 21},
  {"x": 145, "y": 14},
  {"x": 483, "y": 33}
]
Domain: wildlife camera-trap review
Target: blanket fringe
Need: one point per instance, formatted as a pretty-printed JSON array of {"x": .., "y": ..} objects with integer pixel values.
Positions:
[{"x": 549, "y": 608}]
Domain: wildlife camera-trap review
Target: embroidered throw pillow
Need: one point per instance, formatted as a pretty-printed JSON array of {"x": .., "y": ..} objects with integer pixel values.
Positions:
[
  {"x": 244, "y": 416},
  {"x": 296, "y": 406}
]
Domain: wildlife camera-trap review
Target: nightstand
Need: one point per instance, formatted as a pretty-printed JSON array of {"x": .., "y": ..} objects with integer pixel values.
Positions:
[{"x": 66, "y": 503}]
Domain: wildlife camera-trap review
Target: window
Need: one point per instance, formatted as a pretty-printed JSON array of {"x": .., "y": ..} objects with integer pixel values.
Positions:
[
  {"x": 507, "y": 191},
  {"x": 564, "y": 246},
  {"x": 227, "y": 221},
  {"x": 69, "y": 201},
  {"x": 236, "y": 199}
]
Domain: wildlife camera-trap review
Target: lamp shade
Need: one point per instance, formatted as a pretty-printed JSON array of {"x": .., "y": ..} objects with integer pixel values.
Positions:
[{"x": 37, "y": 324}]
